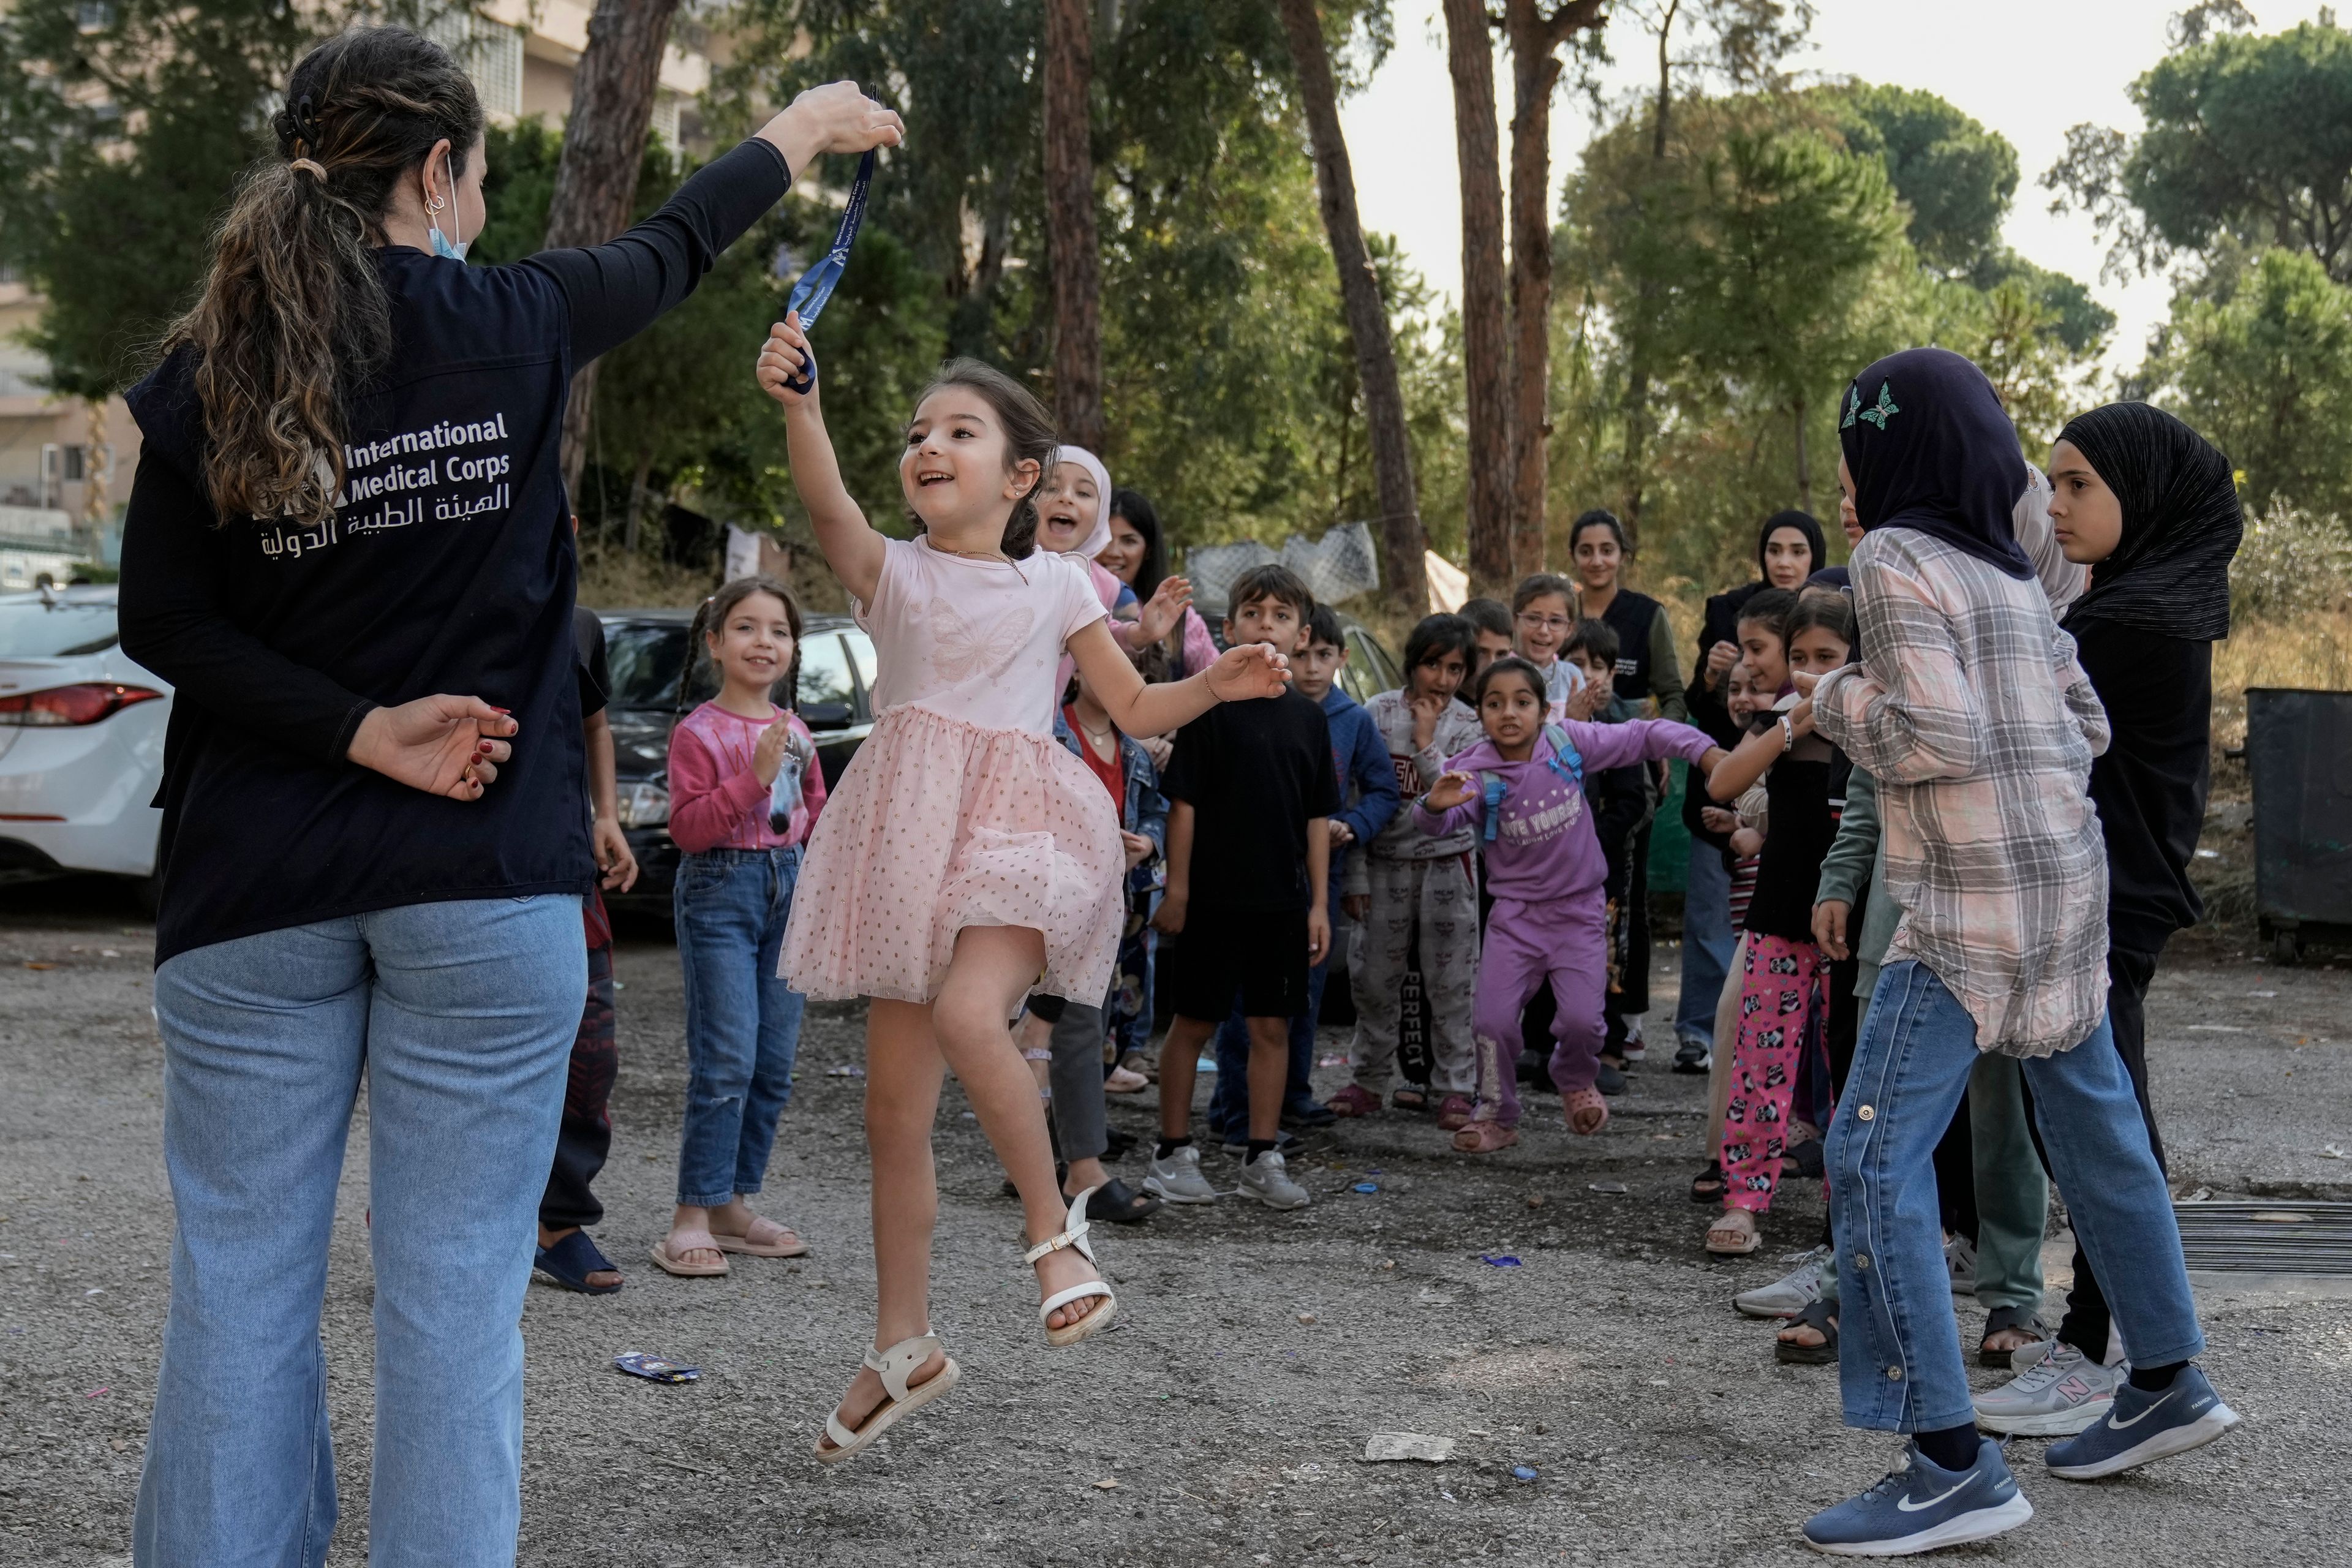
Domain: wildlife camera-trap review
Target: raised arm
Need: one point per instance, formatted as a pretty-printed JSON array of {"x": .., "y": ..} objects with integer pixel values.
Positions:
[
  {"x": 616, "y": 290},
  {"x": 1907, "y": 712},
  {"x": 1254, "y": 669},
  {"x": 851, "y": 546}
]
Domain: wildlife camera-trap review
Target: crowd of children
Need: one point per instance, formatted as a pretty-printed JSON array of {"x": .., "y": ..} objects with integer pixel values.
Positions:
[{"x": 1475, "y": 837}]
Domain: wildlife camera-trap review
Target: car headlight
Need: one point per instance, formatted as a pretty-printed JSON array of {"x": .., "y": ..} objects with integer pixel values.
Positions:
[{"x": 645, "y": 804}]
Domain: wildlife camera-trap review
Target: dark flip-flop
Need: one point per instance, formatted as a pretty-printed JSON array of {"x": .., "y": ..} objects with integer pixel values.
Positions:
[
  {"x": 569, "y": 1262},
  {"x": 1707, "y": 1187},
  {"x": 2001, "y": 1318},
  {"x": 1121, "y": 1205},
  {"x": 1816, "y": 1316}
]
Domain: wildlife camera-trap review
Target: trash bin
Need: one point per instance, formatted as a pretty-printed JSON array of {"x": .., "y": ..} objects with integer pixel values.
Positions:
[{"x": 2299, "y": 749}]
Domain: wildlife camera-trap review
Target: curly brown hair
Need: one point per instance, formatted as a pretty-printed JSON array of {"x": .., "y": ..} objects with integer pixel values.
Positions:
[{"x": 293, "y": 313}]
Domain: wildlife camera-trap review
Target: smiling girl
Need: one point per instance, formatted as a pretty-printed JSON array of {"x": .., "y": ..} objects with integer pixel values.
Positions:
[
  {"x": 967, "y": 859},
  {"x": 733, "y": 896}
]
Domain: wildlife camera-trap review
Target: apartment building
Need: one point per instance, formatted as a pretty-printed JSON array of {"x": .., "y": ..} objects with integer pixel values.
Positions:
[{"x": 66, "y": 463}]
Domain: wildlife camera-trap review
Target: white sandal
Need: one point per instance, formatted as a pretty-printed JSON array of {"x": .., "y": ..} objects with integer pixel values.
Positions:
[
  {"x": 894, "y": 1366},
  {"x": 1075, "y": 1236}
]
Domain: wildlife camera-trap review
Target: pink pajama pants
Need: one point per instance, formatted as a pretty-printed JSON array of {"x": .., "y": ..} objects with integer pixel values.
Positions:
[{"x": 1783, "y": 1000}]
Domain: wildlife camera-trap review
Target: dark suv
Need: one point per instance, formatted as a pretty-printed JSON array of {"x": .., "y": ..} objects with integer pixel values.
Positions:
[{"x": 646, "y": 650}]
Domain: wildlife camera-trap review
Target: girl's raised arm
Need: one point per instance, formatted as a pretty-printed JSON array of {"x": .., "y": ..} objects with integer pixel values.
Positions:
[
  {"x": 1253, "y": 669},
  {"x": 851, "y": 546}
]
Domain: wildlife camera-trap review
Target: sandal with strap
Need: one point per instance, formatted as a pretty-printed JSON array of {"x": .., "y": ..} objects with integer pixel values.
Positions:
[
  {"x": 1735, "y": 1243},
  {"x": 1586, "y": 1112},
  {"x": 776, "y": 1241},
  {"x": 2011, "y": 1319},
  {"x": 1485, "y": 1137},
  {"x": 1074, "y": 1235},
  {"x": 1453, "y": 1112},
  {"x": 1822, "y": 1318},
  {"x": 569, "y": 1262},
  {"x": 1707, "y": 1187},
  {"x": 893, "y": 1366},
  {"x": 691, "y": 1241}
]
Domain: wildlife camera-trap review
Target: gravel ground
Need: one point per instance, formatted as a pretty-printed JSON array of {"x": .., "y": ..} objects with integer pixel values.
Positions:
[{"x": 1224, "y": 1418}]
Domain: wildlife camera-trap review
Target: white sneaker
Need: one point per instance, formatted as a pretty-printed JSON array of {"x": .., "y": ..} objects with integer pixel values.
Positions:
[
  {"x": 1267, "y": 1180},
  {"x": 1790, "y": 1294},
  {"x": 2064, "y": 1392},
  {"x": 1960, "y": 1257},
  {"x": 1177, "y": 1180},
  {"x": 1634, "y": 1048}
]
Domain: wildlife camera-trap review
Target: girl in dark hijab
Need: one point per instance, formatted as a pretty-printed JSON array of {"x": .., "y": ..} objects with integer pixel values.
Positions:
[
  {"x": 1788, "y": 550},
  {"x": 2152, "y": 508},
  {"x": 1948, "y": 466}
]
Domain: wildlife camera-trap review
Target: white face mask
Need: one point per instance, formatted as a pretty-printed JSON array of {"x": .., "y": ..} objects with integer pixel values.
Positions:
[{"x": 444, "y": 245}]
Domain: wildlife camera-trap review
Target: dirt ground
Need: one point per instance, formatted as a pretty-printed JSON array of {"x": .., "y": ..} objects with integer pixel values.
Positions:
[{"x": 1224, "y": 1419}]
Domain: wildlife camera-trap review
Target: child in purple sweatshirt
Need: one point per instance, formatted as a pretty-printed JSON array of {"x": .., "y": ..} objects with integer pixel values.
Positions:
[{"x": 1522, "y": 792}]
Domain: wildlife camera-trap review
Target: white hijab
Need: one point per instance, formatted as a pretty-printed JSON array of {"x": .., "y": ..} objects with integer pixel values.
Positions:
[{"x": 1099, "y": 536}]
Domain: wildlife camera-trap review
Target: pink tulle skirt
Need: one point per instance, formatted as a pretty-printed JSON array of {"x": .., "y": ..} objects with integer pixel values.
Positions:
[{"x": 938, "y": 825}]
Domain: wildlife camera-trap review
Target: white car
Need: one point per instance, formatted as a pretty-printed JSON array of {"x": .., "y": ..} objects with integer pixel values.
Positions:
[{"x": 81, "y": 740}]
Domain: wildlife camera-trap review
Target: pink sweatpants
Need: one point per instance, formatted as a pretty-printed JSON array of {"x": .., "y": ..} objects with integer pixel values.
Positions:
[
  {"x": 1566, "y": 939},
  {"x": 1783, "y": 998}
]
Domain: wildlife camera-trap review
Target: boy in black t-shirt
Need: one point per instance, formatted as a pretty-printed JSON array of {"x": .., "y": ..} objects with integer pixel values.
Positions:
[{"x": 1251, "y": 788}]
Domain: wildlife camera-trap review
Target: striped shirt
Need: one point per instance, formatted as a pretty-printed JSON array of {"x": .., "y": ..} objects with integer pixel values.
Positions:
[{"x": 1970, "y": 709}]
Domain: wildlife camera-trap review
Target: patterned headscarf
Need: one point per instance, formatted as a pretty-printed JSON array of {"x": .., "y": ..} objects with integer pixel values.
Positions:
[
  {"x": 2182, "y": 519},
  {"x": 1930, "y": 450}
]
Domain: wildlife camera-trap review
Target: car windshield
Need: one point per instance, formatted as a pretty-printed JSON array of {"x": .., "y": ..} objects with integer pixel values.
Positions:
[
  {"x": 31, "y": 629},
  {"x": 644, "y": 658}
]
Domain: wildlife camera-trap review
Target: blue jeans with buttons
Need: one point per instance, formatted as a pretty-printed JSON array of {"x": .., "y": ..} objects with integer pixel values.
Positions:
[
  {"x": 1899, "y": 1364},
  {"x": 742, "y": 1022}
]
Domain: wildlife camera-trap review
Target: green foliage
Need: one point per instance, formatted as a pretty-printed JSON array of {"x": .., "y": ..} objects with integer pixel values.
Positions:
[
  {"x": 2291, "y": 562},
  {"x": 2249, "y": 139},
  {"x": 123, "y": 130},
  {"x": 1957, "y": 177},
  {"x": 1229, "y": 377},
  {"x": 2264, "y": 370}
]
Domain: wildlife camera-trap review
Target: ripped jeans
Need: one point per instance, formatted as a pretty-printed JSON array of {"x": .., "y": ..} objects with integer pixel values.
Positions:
[{"x": 742, "y": 1022}]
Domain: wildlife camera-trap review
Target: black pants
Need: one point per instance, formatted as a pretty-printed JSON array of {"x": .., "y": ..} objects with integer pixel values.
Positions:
[
  {"x": 585, "y": 1135},
  {"x": 2087, "y": 1322}
]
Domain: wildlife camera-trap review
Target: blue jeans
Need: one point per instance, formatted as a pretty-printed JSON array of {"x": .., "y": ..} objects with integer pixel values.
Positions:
[
  {"x": 1899, "y": 1364},
  {"x": 1707, "y": 939},
  {"x": 459, "y": 1017},
  {"x": 742, "y": 1022},
  {"x": 1229, "y": 1102}
]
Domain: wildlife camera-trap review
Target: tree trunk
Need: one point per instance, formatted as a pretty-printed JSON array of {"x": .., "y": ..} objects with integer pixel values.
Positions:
[
  {"x": 1804, "y": 463},
  {"x": 1638, "y": 347},
  {"x": 1485, "y": 336},
  {"x": 1070, "y": 223},
  {"x": 603, "y": 143},
  {"x": 1402, "y": 535}
]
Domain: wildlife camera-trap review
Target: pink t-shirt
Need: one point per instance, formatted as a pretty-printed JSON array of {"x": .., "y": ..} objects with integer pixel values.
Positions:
[
  {"x": 976, "y": 639},
  {"x": 716, "y": 801}
]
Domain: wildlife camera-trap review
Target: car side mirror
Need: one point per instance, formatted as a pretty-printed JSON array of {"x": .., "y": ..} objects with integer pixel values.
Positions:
[{"x": 826, "y": 715}]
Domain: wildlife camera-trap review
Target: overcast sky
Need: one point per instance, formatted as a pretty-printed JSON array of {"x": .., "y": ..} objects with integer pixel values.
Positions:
[{"x": 2027, "y": 68}]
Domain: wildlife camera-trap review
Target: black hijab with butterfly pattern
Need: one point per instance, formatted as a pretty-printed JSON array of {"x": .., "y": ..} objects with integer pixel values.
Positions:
[{"x": 1930, "y": 448}]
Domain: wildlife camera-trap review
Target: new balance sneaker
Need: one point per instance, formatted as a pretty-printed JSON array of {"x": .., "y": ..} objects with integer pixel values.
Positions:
[
  {"x": 2144, "y": 1425},
  {"x": 2058, "y": 1393},
  {"x": 1790, "y": 1294},
  {"x": 1267, "y": 1180},
  {"x": 1921, "y": 1506},
  {"x": 1177, "y": 1179},
  {"x": 1693, "y": 1055},
  {"x": 1960, "y": 1260}
]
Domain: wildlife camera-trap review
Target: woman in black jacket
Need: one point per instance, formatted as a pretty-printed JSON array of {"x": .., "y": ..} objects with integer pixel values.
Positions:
[
  {"x": 348, "y": 548},
  {"x": 2152, "y": 507}
]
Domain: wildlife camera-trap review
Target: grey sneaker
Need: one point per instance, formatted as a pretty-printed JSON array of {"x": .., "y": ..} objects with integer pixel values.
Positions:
[
  {"x": 2060, "y": 1394},
  {"x": 1267, "y": 1180},
  {"x": 1790, "y": 1294},
  {"x": 1177, "y": 1180},
  {"x": 1960, "y": 1257}
]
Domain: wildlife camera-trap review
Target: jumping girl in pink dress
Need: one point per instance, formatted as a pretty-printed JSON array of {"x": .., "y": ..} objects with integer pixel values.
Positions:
[{"x": 967, "y": 859}]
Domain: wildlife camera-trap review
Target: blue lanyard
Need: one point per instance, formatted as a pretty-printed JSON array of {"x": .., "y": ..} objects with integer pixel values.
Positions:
[{"x": 816, "y": 286}]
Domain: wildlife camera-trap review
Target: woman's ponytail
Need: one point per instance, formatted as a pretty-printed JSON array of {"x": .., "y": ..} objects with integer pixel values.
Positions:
[{"x": 293, "y": 316}]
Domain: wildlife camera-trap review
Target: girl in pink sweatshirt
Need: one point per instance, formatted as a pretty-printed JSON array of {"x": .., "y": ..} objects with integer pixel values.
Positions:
[
  {"x": 1522, "y": 790},
  {"x": 744, "y": 791}
]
